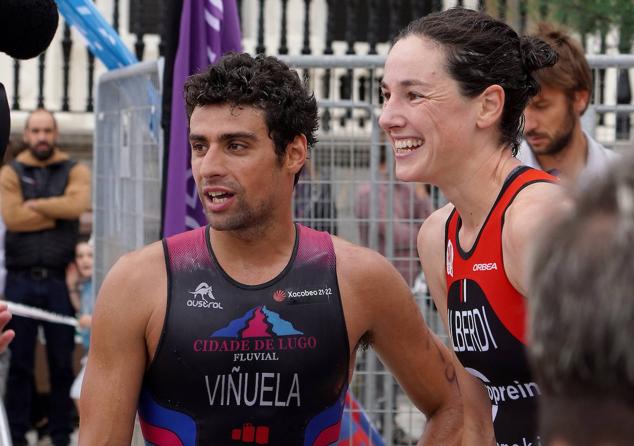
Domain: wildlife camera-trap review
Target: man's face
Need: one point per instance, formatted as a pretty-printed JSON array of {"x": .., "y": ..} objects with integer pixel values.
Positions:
[
  {"x": 40, "y": 134},
  {"x": 551, "y": 118},
  {"x": 241, "y": 182}
]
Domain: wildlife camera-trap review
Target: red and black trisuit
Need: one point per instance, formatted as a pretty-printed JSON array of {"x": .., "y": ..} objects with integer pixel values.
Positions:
[{"x": 487, "y": 317}]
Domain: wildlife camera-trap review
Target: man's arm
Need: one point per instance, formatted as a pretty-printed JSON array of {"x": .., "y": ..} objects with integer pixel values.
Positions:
[
  {"x": 73, "y": 203},
  {"x": 478, "y": 420},
  {"x": 118, "y": 353},
  {"x": 378, "y": 301},
  {"x": 18, "y": 217}
]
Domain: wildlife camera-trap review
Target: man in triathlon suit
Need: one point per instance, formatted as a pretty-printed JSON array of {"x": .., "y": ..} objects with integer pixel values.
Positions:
[
  {"x": 246, "y": 331},
  {"x": 581, "y": 313},
  {"x": 455, "y": 85}
]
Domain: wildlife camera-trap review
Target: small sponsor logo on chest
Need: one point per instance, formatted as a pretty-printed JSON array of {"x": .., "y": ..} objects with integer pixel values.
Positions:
[
  {"x": 485, "y": 266},
  {"x": 203, "y": 297},
  {"x": 306, "y": 296}
]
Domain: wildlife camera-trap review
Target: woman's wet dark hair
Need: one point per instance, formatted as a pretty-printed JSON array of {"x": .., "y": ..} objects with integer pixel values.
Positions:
[{"x": 483, "y": 51}]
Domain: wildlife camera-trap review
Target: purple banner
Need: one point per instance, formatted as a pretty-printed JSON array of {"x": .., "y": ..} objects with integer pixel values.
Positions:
[{"x": 208, "y": 29}]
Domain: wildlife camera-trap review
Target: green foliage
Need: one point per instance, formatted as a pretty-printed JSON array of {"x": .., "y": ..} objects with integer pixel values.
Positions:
[
  {"x": 625, "y": 10},
  {"x": 591, "y": 16}
]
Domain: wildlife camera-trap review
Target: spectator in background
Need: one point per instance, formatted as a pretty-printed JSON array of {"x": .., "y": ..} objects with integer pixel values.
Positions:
[
  {"x": 79, "y": 281},
  {"x": 582, "y": 317},
  {"x": 43, "y": 193},
  {"x": 554, "y": 140},
  {"x": 409, "y": 207},
  {"x": 314, "y": 204}
]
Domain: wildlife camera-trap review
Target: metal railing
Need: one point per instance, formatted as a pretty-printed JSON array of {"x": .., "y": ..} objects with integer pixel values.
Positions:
[
  {"x": 279, "y": 27},
  {"x": 128, "y": 163}
]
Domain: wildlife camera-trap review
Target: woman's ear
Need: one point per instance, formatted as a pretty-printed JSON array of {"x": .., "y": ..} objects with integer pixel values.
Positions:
[{"x": 491, "y": 106}]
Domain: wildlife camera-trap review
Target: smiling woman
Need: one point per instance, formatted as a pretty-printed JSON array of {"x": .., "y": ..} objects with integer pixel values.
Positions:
[
  {"x": 455, "y": 86},
  {"x": 457, "y": 62}
]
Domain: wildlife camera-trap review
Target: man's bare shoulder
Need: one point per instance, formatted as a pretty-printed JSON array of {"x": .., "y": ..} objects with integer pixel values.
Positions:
[
  {"x": 366, "y": 277},
  {"x": 371, "y": 290},
  {"x": 137, "y": 277},
  {"x": 141, "y": 264},
  {"x": 361, "y": 266}
]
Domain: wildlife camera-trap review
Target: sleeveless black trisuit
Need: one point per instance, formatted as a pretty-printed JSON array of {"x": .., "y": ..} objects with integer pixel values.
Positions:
[{"x": 239, "y": 364}]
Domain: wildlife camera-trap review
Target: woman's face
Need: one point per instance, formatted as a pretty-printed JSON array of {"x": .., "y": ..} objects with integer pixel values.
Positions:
[
  {"x": 428, "y": 121},
  {"x": 83, "y": 259}
]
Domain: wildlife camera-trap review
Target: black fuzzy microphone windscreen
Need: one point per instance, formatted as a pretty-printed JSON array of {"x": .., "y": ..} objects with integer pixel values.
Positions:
[{"x": 27, "y": 26}]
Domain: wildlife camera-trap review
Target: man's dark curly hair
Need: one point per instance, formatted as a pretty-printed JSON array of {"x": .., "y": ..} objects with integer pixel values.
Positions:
[{"x": 263, "y": 82}]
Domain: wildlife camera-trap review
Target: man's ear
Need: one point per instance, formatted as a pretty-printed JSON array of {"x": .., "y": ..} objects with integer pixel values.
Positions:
[
  {"x": 491, "y": 106},
  {"x": 580, "y": 101},
  {"x": 296, "y": 153}
]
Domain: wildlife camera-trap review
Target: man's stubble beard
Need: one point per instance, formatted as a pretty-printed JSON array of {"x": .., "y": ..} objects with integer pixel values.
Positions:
[
  {"x": 248, "y": 220},
  {"x": 561, "y": 140},
  {"x": 42, "y": 155}
]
